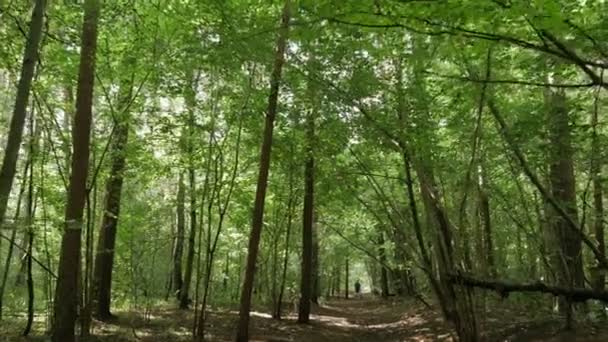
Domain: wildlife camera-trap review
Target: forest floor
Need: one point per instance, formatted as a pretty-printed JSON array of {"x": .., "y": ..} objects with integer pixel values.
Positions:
[{"x": 338, "y": 320}]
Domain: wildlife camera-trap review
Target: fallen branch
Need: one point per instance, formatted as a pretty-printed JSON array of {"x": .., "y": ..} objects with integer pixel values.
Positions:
[{"x": 504, "y": 288}]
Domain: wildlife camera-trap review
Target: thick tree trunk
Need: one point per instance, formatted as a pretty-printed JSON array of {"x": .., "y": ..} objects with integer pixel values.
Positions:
[
  {"x": 179, "y": 237},
  {"x": 66, "y": 295},
  {"x": 15, "y": 134},
  {"x": 104, "y": 261},
  {"x": 242, "y": 334}
]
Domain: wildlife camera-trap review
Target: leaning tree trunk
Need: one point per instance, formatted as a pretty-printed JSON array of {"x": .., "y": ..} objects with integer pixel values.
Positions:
[
  {"x": 15, "y": 134},
  {"x": 242, "y": 334},
  {"x": 66, "y": 295},
  {"x": 104, "y": 261},
  {"x": 11, "y": 241}
]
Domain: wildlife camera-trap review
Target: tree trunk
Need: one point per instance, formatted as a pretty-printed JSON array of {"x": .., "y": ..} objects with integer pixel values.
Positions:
[
  {"x": 15, "y": 134},
  {"x": 599, "y": 278},
  {"x": 179, "y": 238},
  {"x": 242, "y": 334},
  {"x": 346, "y": 281},
  {"x": 107, "y": 235},
  {"x": 569, "y": 263},
  {"x": 306, "y": 280},
  {"x": 184, "y": 296},
  {"x": 29, "y": 221},
  {"x": 384, "y": 292},
  {"x": 485, "y": 219},
  {"x": 11, "y": 240},
  {"x": 66, "y": 295},
  {"x": 316, "y": 267},
  {"x": 184, "y": 299}
]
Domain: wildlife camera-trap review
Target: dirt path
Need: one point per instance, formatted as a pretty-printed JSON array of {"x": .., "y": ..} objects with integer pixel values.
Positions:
[
  {"x": 366, "y": 319},
  {"x": 339, "y": 320}
]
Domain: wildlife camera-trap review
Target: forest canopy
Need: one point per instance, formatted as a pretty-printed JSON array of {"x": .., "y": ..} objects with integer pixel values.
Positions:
[{"x": 262, "y": 170}]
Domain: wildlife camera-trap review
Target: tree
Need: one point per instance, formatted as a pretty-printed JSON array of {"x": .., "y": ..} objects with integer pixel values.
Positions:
[
  {"x": 306, "y": 278},
  {"x": 13, "y": 143},
  {"x": 66, "y": 297},
  {"x": 242, "y": 333},
  {"x": 567, "y": 258},
  {"x": 104, "y": 260}
]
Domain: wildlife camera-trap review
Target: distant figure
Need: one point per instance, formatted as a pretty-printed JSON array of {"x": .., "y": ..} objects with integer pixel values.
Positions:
[{"x": 357, "y": 289}]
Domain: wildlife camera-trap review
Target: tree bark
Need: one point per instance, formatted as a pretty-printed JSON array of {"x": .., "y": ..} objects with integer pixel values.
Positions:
[
  {"x": 384, "y": 288},
  {"x": 503, "y": 288},
  {"x": 599, "y": 277},
  {"x": 346, "y": 282},
  {"x": 568, "y": 262},
  {"x": 316, "y": 265},
  {"x": 306, "y": 280},
  {"x": 29, "y": 221},
  {"x": 184, "y": 295},
  {"x": 486, "y": 223},
  {"x": 242, "y": 334},
  {"x": 179, "y": 237},
  {"x": 15, "y": 134},
  {"x": 66, "y": 295},
  {"x": 104, "y": 261},
  {"x": 11, "y": 240}
]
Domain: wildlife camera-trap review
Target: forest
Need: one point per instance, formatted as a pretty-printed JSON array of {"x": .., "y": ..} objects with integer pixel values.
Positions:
[{"x": 303, "y": 170}]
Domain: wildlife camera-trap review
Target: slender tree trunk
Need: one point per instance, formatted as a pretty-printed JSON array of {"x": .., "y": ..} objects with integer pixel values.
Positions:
[
  {"x": 184, "y": 296},
  {"x": 184, "y": 299},
  {"x": 599, "y": 278},
  {"x": 290, "y": 204},
  {"x": 15, "y": 134},
  {"x": 66, "y": 295},
  {"x": 338, "y": 278},
  {"x": 104, "y": 261},
  {"x": 346, "y": 283},
  {"x": 29, "y": 223},
  {"x": 485, "y": 219},
  {"x": 316, "y": 268},
  {"x": 561, "y": 169},
  {"x": 12, "y": 242},
  {"x": 242, "y": 334},
  {"x": 306, "y": 280},
  {"x": 383, "y": 271},
  {"x": 179, "y": 237}
]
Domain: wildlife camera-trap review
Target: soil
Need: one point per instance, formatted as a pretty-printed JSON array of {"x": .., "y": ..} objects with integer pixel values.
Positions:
[{"x": 365, "y": 319}]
